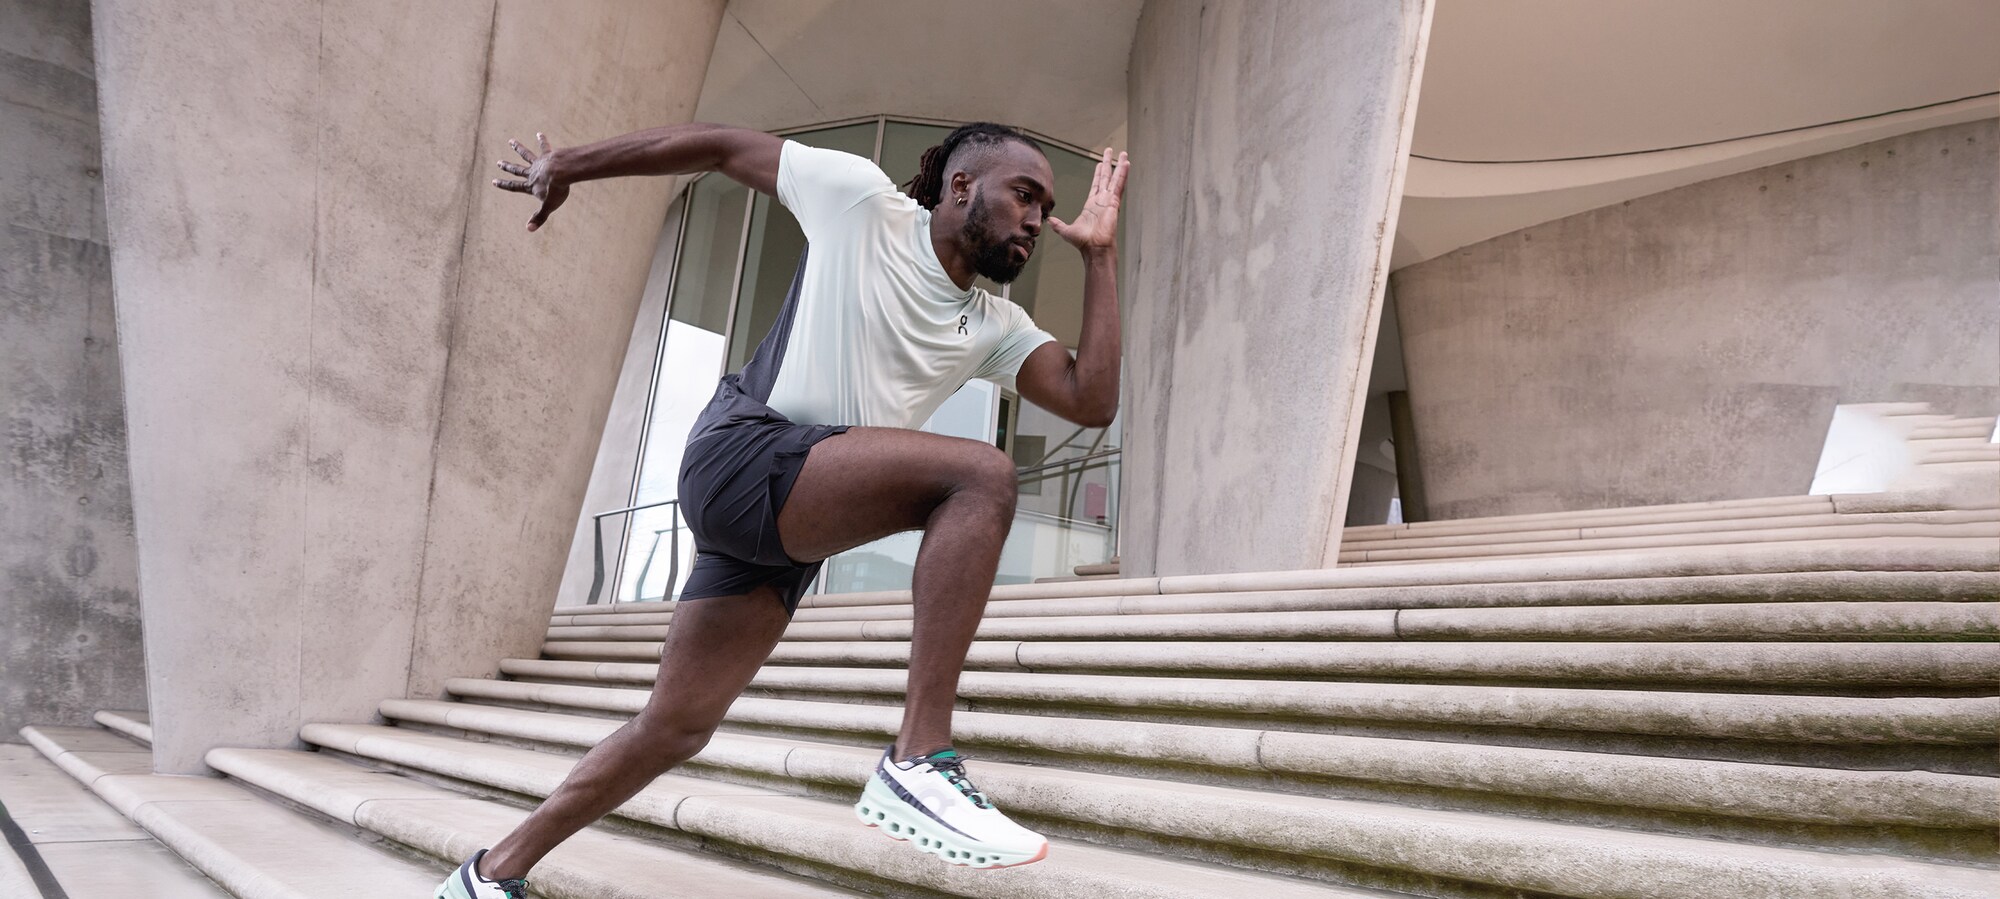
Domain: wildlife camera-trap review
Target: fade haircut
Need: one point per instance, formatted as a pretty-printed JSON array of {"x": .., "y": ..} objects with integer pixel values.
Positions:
[{"x": 927, "y": 188}]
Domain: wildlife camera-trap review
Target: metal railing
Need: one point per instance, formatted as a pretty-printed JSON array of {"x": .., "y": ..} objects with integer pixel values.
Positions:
[{"x": 672, "y": 530}]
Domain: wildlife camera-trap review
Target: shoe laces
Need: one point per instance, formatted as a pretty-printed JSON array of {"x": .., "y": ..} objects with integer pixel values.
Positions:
[
  {"x": 952, "y": 766},
  {"x": 514, "y": 888}
]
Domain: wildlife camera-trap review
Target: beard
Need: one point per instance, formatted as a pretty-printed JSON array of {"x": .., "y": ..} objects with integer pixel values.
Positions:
[{"x": 993, "y": 256}]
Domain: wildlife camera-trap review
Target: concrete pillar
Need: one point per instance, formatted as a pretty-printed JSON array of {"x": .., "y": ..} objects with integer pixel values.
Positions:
[
  {"x": 1409, "y": 474},
  {"x": 69, "y": 580},
  {"x": 363, "y": 400},
  {"x": 1269, "y": 142}
]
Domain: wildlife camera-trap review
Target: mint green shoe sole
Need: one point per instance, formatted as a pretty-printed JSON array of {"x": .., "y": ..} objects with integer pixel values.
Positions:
[{"x": 882, "y": 809}]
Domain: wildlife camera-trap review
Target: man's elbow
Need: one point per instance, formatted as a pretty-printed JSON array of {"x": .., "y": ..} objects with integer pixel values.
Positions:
[{"x": 1099, "y": 416}]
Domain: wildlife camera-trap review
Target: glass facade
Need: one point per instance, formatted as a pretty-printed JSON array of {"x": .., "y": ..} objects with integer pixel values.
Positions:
[{"x": 736, "y": 254}]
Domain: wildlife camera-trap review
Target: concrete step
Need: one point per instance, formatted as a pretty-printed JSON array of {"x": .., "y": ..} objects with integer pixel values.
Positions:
[
  {"x": 1980, "y": 429},
  {"x": 1910, "y": 667},
  {"x": 1943, "y": 734},
  {"x": 1783, "y": 586},
  {"x": 1797, "y": 621},
  {"x": 253, "y": 848},
  {"x": 1977, "y": 525},
  {"x": 816, "y": 834},
  {"x": 1879, "y": 554},
  {"x": 1963, "y": 455},
  {"x": 451, "y": 826},
  {"x": 1378, "y": 844},
  {"x": 1416, "y": 539},
  {"x": 1753, "y": 798},
  {"x": 1771, "y": 507},
  {"x": 77, "y": 845},
  {"x": 137, "y": 725}
]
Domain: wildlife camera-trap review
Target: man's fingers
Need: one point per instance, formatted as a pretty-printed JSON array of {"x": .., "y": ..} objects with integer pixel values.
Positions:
[
  {"x": 543, "y": 139},
  {"x": 1118, "y": 174},
  {"x": 520, "y": 187},
  {"x": 1058, "y": 224},
  {"x": 521, "y": 150},
  {"x": 512, "y": 168}
]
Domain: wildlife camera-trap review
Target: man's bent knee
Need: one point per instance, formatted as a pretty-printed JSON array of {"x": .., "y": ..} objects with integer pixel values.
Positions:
[
  {"x": 672, "y": 738},
  {"x": 991, "y": 472}
]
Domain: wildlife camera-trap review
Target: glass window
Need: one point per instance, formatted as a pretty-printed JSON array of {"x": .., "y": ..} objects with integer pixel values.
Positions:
[{"x": 775, "y": 246}]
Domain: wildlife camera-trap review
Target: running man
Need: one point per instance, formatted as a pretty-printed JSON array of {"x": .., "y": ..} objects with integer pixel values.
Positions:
[{"x": 810, "y": 449}]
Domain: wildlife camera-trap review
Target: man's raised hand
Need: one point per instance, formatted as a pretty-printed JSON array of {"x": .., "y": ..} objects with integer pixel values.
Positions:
[
  {"x": 538, "y": 177},
  {"x": 1096, "y": 225}
]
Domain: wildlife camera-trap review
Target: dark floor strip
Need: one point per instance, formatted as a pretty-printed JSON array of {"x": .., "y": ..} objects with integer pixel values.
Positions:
[{"x": 45, "y": 880}]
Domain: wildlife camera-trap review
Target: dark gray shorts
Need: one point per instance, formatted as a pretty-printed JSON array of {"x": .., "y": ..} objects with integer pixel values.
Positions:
[{"x": 734, "y": 479}]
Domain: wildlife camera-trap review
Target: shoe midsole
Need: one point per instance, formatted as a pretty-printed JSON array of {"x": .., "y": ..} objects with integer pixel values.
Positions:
[{"x": 915, "y": 823}]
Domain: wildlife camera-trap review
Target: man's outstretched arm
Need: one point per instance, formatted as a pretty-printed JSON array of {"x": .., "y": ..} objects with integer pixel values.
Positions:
[
  {"x": 746, "y": 156},
  {"x": 1084, "y": 389}
]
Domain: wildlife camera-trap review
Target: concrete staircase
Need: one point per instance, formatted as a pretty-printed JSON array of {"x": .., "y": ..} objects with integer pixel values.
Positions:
[{"x": 1807, "y": 718}]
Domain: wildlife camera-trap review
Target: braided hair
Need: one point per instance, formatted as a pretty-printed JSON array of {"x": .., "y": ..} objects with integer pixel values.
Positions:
[{"x": 927, "y": 188}]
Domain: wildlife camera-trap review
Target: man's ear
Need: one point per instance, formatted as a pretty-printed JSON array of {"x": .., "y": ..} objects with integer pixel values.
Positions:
[{"x": 959, "y": 184}]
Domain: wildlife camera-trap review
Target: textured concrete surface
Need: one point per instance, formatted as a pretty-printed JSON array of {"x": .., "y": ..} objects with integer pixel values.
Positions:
[
  {"x": 363, "y": 400},
  {"x": 1255, "y": 260},
  {"x": 69, "y": 579},
  {"x": 1692, "y": 344},
  {"x": 89, "y": 847}
]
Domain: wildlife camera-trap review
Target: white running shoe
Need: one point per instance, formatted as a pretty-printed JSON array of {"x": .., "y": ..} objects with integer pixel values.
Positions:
[
  {"x": 465, "y": 883},
  {"x": 929, "y": 801}
]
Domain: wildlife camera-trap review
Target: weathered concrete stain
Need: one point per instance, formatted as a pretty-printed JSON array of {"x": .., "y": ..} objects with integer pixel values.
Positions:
[{"x": 69, "y": 612}]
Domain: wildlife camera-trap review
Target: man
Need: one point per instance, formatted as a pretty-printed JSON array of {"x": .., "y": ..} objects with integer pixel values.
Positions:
[{"x": 809, "y": 450}]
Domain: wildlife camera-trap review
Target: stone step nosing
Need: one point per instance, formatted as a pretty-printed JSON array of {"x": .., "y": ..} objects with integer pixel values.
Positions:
[
  {"x": 1794, "y": 665},
  {"x": 1800, "y": 586},
  {"x": 1561, "y": 859},
  {"x": 1763, "y": 792},
  {"x": 1403, "y": 552},
  {"x": 1711, "y": 621},
  {"x": 132, "y": 724},
  {"x": 1719, "y": 531},
  {"x": 1774, "y": 718},
  {"x": 173, "y": 811}
]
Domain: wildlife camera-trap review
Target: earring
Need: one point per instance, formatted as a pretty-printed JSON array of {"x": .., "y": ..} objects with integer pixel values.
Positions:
[{"x": 961, "y": 199}]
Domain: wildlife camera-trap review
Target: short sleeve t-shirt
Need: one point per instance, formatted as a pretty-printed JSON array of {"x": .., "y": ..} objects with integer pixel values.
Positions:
[{"x": 880, "y": 336}]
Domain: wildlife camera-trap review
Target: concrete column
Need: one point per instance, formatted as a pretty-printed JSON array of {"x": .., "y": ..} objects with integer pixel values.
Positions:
[
  {"x": 1409, "y": 474},
  {"x": 363, "y": 401},
  {"x": 1269, "y": 142},
  {"x": 69, "y": 580}
]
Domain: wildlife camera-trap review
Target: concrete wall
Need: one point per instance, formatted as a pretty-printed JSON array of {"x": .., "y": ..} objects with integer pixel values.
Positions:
[
  {"x": 1691, "y": 345},
  {"x": 69, "y": 605},
  {"x": 363, "y": 401},
  {"x": 1268, "y": 144}
]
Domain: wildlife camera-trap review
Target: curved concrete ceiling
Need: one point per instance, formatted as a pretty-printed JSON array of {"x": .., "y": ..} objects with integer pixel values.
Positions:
[
  {"x": 1051, "y": 66},
  {"x": 1516, "y": 80},
  {"x": 1665, "y": 95}
]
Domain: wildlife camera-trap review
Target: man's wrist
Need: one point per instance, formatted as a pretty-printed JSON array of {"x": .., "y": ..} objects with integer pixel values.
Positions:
[{"x": 1099, "y": 254}]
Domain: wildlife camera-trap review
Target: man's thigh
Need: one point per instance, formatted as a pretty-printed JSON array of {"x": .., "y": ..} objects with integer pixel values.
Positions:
[
  {"x": 868, "y": 483},
  {"x": 713, "y": 648}
]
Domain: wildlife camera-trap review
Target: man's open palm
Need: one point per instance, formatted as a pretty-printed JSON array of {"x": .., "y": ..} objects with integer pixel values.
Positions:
[
  {"x": 1096, "y": 226},
  {"x": 537, "y": 179}
]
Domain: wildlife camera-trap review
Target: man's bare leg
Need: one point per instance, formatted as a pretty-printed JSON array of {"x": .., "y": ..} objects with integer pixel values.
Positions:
[
  {"x": 872, "y": 482},
  {"x": 712, "y": 650},
  {"x": 855, "y": 488}
]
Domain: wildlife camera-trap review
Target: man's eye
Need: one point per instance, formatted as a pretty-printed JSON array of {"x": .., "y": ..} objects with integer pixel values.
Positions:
[{"x": 1022, "y": 194}]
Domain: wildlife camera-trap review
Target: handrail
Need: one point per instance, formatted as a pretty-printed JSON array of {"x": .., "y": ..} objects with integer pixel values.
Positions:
[
  {"x": 1066, "y": 463},
  {"x": 674, "y": 551},
  {"x": 664, "y": 502}
]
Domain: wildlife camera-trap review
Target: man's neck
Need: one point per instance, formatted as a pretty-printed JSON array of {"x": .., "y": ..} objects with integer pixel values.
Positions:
[{"x": 957, "y": 263}]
